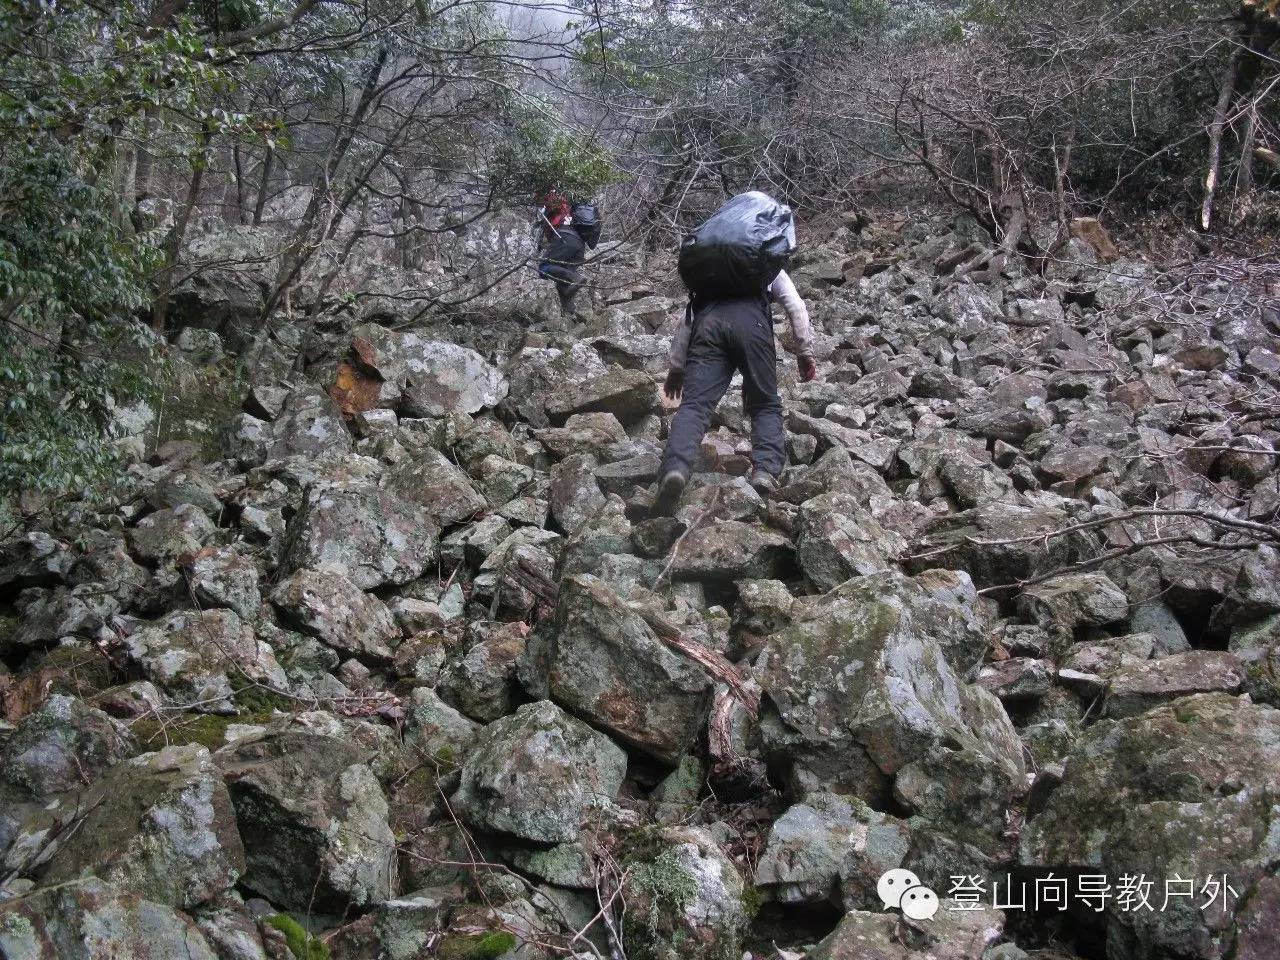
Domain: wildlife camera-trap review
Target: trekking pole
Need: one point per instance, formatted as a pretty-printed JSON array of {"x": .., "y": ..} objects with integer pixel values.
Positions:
[{"x": 543, "y": 214}]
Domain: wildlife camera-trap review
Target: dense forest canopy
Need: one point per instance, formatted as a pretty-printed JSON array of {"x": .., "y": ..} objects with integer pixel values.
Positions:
[{"x": 126, "y": 126}]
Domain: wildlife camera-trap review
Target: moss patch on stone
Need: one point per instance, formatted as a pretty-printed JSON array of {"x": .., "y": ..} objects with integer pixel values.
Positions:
[
  {"x": 208, "y": 730},
  {"x": 480, "y": 946},
  {"x": 302, "y": 945}
]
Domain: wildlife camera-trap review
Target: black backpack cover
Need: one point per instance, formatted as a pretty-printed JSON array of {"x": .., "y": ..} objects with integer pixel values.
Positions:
[
  {"x": 739, "y": 250},
  {"x": 586, "y": 222}
]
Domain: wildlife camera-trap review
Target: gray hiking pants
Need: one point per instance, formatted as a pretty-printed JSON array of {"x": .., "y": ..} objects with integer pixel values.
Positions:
[{"x": 730, "y": 336}]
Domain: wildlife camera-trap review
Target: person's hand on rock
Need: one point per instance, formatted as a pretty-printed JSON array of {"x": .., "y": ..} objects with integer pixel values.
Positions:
[{"x": 674, "y": 386}]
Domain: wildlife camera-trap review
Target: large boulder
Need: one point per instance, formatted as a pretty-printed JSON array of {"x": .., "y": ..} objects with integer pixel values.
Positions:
[
  {"x": 859, "y": 697},
  {"x": 627, "y": 394},
  {"x": 422, "y": 377},
  {"x": 732, "y": 550},
  {"x": 684, "y": 897},
  {"x": 1000, "y": 544},
  {"x": 91, "y": 920},
  {"x": 952, "y": 934},
  {"x": 371, "y": 535},
  {"x": 836, "y": 540},
  {"x": 62, "y": 746},
  {"x": 537, "y": 773},
  {"x": 329, "y": 606},
  {"x": 440, "y": 486},
  {"x": 816, "y": 846},
  {"x": 309, "y": 424},
  {"x": 606, "y": 665},
  {"x": 160, "y": 825},
  {"x": 1186, "y": 789},
  {"x": 192, "y": 655},
  {"x": 313, "y": 819}
]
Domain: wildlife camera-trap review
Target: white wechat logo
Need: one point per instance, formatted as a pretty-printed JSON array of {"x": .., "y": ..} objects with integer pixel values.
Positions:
[
  {"x": 902, "y": 889},
  {"x": 893, "y": 884}
]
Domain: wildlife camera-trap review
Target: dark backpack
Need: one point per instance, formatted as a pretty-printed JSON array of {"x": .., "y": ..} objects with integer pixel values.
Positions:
[
  {"x": 586, "y": 222},
  {"x": 739, "y": 250}
]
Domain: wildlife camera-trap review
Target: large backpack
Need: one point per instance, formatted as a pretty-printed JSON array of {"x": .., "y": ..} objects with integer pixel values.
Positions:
[
  {"x": 586, "y": 222},
  {"x": 739, "y": 250}
]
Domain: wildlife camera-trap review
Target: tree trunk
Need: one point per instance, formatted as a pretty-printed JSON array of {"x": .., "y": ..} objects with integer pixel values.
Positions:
[
  {"x": 268, "y": 162},
  {"x": 177, "y": 233}
]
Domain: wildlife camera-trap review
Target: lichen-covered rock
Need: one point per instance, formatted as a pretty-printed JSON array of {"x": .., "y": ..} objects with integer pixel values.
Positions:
[
  {"x": 860, "y": 698},
  {"x": 537, "y": 773},
  {"x": 170, "y": 534},
  {"x": 435, "y": 731},
  {"x": 332, "y": 608},
  {"x": 1187, "y": 788},
  {"x": 1138, "y": 685},
  {"x": 999, "y": 544},
  {"x": 161, "y": 826},
  {"x": 582, "y": 433},
  {"x": 1074, "y": 600},
  {"x": 430, "y": 378},
  {"x": 90, "y": 920},
  {"x": 440, "y": 486},
  {"x": 816, "y": 844},
  {"x": 627, "y": 394},
  {"x": 193, "y": 655},
  {"x": 62, "y": 746},
  {"x": 480, "y": 679},
  {"x": 605, "y": 664},
  {"x": 371, "y": 535},
  {"x": 684, "y": 897},
  {"x": 575, "y": 494},
  {"x": 313, "y": 820},
  {"x": 950, "y": 935},
  {"x": 836, "y": 541},
  {"x": 34, "y": 559},
  {"x": 227, "y": 578},
  {"x": 732, "y": 550}
]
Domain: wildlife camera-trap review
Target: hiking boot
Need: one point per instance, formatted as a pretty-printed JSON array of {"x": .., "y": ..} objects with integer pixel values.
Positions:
[
  {"x": 669, "y": 490},
  {"x": 765, "y": 484}
]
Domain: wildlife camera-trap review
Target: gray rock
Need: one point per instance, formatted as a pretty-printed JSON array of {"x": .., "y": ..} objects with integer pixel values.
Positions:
[
  {"x": 329, "y": 606},
  {"x": 435, "y": 731},
  {"x": 436, "y": 483},
  {"x": 90, "y": 920},
  {"x": 684, "y": 891},
  {"x": 537, "y": 773},
  {"x": 161, "y": 826},
  {"x": 732, "y": 550},
  {"x": 226, "y": 577},
  {"x": 480, "y": 679},
  {"x": 430, "y": 378},
  {"x": 169, "y": 534},
  {"x": 192, "y": 656},
  {"x": 605, "y": 664},
  {"x": 815, "y": 844},
  {"x": 1074, "y": 600},
  {"x": 370, "y": 535},
  {"x": 1140, "y": 685},
  {"x": 575, "y": 493},
  {"x": 64, "y": 745},
  {"x": 627, "y": 394},
  {"x": 313, "y": 819},
  {"x": 950, "y": 935},
  {"x": 837, "y": 541},
  {"x": 859, "y": 698},
  {"x": 1183, "y": 789}
]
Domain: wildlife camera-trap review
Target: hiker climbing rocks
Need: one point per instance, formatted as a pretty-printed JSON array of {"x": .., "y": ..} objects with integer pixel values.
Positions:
[
  {"x": 566, "y": 233},
  {"x": 732, "y": 266}
]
